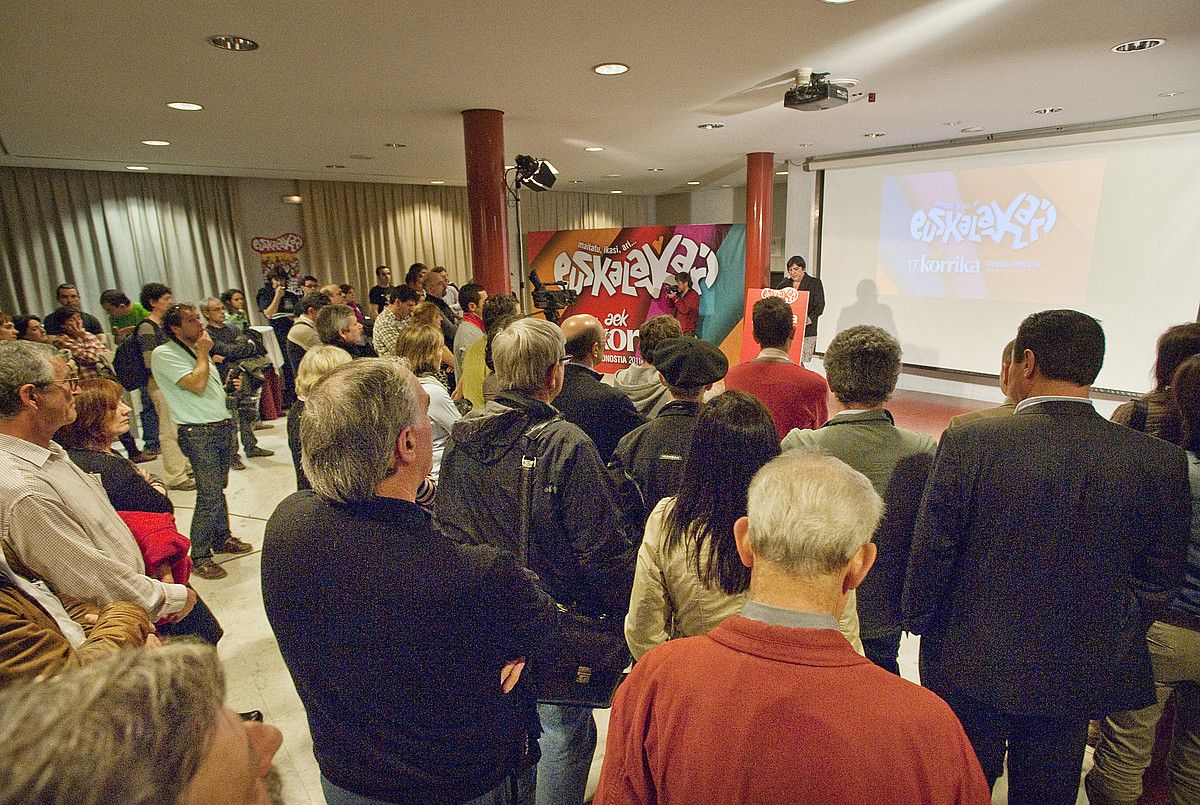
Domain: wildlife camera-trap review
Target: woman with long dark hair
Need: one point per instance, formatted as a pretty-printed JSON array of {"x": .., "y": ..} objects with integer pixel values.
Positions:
[
  {"x": 689, "y": 577},
  {"x": 1155, "y": 412}
]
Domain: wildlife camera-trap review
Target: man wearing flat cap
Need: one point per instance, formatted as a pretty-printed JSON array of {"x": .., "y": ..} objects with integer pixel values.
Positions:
[{"x": 652, "y": 454}]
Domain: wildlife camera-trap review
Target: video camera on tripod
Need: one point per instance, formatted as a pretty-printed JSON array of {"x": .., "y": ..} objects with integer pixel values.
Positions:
[{"x": 551, "y": 297}]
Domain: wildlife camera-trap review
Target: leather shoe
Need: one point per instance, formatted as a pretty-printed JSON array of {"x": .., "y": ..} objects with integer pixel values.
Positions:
[
  {"x": 186, "y": 486},
  {"x": 259, "y": 452},
  {"x": 208, "y": 569},
  {"x": 234, "y": 545},
  {"x": 262, "y": 426},
  {"x": 237, "y": 464},
  {"x": 141, "y": 458}
]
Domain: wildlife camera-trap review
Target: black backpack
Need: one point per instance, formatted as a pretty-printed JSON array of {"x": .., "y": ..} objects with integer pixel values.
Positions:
[{"x": 128, "y": 363}]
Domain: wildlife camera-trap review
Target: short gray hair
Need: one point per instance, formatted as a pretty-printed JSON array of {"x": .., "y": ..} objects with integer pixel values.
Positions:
[
  {"x": 862, "y": 365},
  {"x": 133, "y": 728},
  {"x": 317, "y": 362},
  {"x": 351, "y": 421},
  {"x": 23, "y": 362},
  {"x": 210, "y": 301},
  {"x": 331, "y": 320},
  {"x": 525, "y": 351},
  {"x": 809, "y": 512}
]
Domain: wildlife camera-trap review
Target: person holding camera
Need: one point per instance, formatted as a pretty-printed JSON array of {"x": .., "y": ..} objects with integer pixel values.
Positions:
[
  {"x": 240, "y": 359},
  {"x": 684, "y": 303}
]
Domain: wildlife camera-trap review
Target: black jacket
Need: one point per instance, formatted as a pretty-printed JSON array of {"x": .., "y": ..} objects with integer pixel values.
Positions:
[
  {"x": 232, "y": 346},
  {"x": 578, "y": 546},
  {"x": 601, "y": 411},
  {"x": 1047, "y": 543},
  {"x": 395, "y": 638},
  {"x": 816, "y": 299},
  {"x": 653, "y": 454}
]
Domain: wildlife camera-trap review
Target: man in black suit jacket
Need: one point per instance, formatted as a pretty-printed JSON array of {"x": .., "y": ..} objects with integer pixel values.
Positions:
[
  {"x": 602, "y": 412},
  {"x": 799, "y": 278},
  {"x": 1047, "y": 543}
]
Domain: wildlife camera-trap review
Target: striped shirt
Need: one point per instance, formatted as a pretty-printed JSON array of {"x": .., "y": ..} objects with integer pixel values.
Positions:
[{"x": 56, "y": 520}]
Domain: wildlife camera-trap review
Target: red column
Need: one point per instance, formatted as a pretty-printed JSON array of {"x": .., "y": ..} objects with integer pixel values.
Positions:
[
  {"x": 483, "y": 134},
  {"x": 760, "y": 189}
]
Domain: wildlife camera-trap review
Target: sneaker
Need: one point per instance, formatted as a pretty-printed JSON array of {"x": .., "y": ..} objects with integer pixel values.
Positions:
[
  {"x": 237, "y": 464},
  {"x": 186, "y": 486},
  {"x": 262, "y": 426},
  {"x": 234, "y": 545},
  {"x": 259, "y": 452},
  {"x": 208, "y": 569}
]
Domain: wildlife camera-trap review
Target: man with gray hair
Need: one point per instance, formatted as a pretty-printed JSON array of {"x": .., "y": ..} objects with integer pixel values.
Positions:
[
  {"x": 576, "y": 543},
  {"x": 405, "y": 648},
  {"x": 56, "y": 521},
  {"x": 139, "y": 728},
  {"x": 337, "y": 325},
  {"x": 774, "y": 705},
  {"x": 862, "y": 364}
]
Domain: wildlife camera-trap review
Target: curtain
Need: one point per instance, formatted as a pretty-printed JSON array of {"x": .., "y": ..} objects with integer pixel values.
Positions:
[
  {"x": 352, "y": 227},
  {"x": 100, "y": 230}
]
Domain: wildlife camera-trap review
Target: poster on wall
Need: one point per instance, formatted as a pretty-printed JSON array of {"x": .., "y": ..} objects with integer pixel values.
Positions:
[
  {"x": 796, "y": 300},
  {"x": 621, "y": 276},
  {"x": 279, "y": 252}
]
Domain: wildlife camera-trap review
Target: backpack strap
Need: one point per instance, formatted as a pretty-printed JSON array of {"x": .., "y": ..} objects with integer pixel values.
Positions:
[{"x": 530, "y": 453}]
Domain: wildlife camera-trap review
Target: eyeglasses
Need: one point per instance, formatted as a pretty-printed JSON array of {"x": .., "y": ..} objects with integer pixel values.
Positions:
[
  {"x": 71, "y": 381},
  {"x": 564, "y": 359}
]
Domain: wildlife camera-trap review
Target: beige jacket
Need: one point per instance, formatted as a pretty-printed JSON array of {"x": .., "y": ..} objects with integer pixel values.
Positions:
[{"x": 669, "y": 601}]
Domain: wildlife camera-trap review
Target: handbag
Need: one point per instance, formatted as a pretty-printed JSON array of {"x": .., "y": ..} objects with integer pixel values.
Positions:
[{"x": 589, "y": 659}]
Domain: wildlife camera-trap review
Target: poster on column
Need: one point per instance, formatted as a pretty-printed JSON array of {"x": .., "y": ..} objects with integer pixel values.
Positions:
[{"x": 622, "y": 275}]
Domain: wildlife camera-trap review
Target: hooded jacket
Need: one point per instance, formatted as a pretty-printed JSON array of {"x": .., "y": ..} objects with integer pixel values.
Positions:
[
  {"x": 577, "y": 545},
  {"x": 642, "y": 386}
]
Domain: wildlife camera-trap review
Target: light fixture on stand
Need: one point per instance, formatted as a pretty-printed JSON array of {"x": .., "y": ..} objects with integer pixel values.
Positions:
[{"x": 538, "y": 175}]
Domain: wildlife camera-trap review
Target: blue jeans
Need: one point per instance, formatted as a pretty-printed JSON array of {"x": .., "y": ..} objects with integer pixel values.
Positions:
[
  {"x": 568, "y": 742},
  {"x": 210, "y": 448},
  {"x": 149, "y": 421},
  {"x": 500, "y": 795}
]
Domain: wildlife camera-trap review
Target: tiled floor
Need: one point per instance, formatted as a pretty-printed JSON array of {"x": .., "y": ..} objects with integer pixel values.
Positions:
[{"x": 256, "y": 675}]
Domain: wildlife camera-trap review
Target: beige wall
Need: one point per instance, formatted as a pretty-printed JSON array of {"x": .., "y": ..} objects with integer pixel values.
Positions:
[{"x": 724, "y": 206}]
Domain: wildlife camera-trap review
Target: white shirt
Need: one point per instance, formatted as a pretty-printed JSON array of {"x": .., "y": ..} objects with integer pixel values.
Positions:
[{"x": 1028, "y": 401}]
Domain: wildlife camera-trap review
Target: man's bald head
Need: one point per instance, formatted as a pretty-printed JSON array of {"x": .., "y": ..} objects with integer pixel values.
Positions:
[{"x": 583, "y": 333}]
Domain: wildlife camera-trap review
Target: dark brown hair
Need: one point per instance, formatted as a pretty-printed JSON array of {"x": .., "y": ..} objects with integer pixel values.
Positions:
[{"x": 98, "y": 397}]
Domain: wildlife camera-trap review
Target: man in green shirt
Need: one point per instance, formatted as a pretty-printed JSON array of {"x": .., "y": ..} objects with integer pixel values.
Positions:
[{"x": 123, "y": 318}]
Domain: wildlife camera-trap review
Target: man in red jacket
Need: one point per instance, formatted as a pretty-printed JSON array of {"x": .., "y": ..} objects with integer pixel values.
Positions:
[
  {"x": 774, "y": 705},
  {"x": 684, "y": 302},
  {"x": 795, "y": 396}
]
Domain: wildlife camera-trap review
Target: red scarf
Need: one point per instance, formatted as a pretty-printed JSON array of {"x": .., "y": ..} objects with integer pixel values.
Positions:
[{"x": 471, "y": 317}]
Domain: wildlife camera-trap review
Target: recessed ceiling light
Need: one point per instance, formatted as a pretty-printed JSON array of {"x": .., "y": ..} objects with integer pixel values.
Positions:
[
  {"x": 396, "y": 145},
  {"x": 594, "y": 148},
  {"x": 610, "y": 68},
  {"x": 971, "y": 129},
  {"x": 781, "y": 173},
  {"x": 711, "y": 126},
  {"x": 155, "y": 142},
  {"x": 655, "y": 170},
  {"x": 361, "y": 156},
  {"x": 336, "y": 167},
  {"x": 803, "y": 145},
  {"x": 437, "y": 181},
  {"x": 837, "y": 2},
  {"x": 509, "y": 167},
  {"x": 1170, "y": 94},
  {"x": 612, "y": 176},
  {"x": 1138, "y": 44},
  {"x": 953, "y": 123},
  {"x": 693, "y": 183},
  {"x": 726, "y": 186},
  {"x": 616, "y": 192},
  {"x": 185, "y": 106},
  {"x": 875, "y": 134},
  {"x": 577, "y": 181},
  {"x": 292, "y": 199},
  {"x": 231, "y": 42},
  {"x": 1049, "y": 110},
  {"x": 136, "y": 168}
]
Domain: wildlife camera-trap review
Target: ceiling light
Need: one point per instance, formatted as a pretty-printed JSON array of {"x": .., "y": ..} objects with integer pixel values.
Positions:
[
  {"x": 594, "y": 148},
  {"x": 726, "y": 186},
  {"x": 1049, "y": 110},
  {"x": 610, "y": 68},
  {"x": 655, "y": 170},
  {"x": 155, "y": 142},
  {"x": 1138, "y": 44},
  {"x": 291, "y": 199},
  {"x": 612, "y": 176},
  {"x": 336, "y": 167},
  {"x": 616, "y": 192},
  {"x": 231, "y": 42},
  {"x": 874, "y": 134},
  {"x": 711, "y": 126},
  {"x": 837, "y": 2},
  {"x": 509, "y": 167},
  {"x": 577, "y": 181},
  {"x": 437, "y": 181},
  {"x": 1170, "y": 94},
  {"x": 185, "y": 106},
  {"x": 971, "y": 129},
  {"x": 360, "y": 156},
  {"x": 136, "y": 168},
  {"x": 953, "y": 123},
  {"x": 781, "y": 173},
  {"x": 396, "y": 145},
  {"x": 693, "y": 183}
]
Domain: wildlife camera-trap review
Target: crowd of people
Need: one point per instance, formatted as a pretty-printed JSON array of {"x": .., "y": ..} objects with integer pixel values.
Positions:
[{"x": 470, "y": 491}]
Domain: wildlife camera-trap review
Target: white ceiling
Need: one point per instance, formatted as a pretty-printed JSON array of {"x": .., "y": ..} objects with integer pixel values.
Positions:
[{"x": 84, "y": 81}]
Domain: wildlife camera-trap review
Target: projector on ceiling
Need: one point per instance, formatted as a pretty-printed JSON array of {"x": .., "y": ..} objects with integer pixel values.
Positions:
[{"x": 815, "y": 96}]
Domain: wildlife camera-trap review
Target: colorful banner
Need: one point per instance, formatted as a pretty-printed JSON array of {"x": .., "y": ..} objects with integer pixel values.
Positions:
[
  {"x": 796, "y": 300},
  {"x": 282, "y": 251},
  {"x": 621, "y": 276}
]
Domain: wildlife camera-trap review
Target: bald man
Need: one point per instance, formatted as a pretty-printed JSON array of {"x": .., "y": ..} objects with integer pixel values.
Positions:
[
  {"x": 334, "y": 292},
  {"x": 601, "y": 411}
]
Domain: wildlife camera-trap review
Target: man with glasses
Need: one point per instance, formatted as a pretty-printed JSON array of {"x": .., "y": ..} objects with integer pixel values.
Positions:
[
  {"x": 56, "y": 522},
  {"x": 192, "y": 388}
]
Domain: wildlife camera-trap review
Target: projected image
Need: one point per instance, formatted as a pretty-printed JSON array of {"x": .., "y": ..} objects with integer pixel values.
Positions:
[{"x": 1007, "y": 234}]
